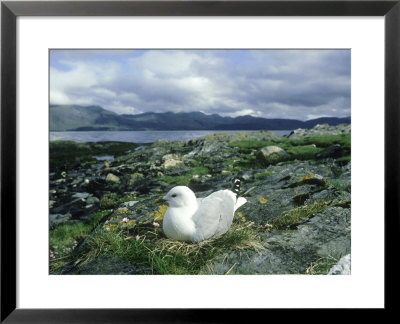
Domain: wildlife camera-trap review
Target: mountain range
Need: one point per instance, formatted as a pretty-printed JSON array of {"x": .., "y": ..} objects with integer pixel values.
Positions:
[{"x": 96, "y": 118}]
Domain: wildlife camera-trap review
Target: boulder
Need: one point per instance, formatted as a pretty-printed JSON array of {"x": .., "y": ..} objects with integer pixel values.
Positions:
[
  {"x": 58, "y": 219},
  {"x": 112, "y": 178},
  {"x": 92, "y": 200},
  {"x": 171, "y": 161},
  {"x": 326, "y": 234},
  {"x": 81, "y": 195},
  {"x": 343, "y": 267},
  {"x": 271, "y": 155},
  {"x": 334, "y": 151}
]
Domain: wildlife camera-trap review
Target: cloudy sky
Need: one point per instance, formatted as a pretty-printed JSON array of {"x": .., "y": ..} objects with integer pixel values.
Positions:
[{"x": 298, "y": 84}]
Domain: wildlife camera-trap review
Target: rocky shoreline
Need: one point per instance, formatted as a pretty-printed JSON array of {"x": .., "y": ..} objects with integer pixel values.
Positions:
[{"x": 297, "y": 187}]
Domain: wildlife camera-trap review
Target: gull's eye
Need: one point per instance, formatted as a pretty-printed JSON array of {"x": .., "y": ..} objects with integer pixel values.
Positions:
[{"x": 174, "y": 195}]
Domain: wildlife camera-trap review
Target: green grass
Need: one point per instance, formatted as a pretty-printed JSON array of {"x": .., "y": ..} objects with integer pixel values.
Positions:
[
  {"x": 166, "y": 256},
  {"x": 344, "y": 160},
  {"x": 298, "y": 214},
  {"x": 303, "y": 152},
  {"x": 64, "y": 238}
]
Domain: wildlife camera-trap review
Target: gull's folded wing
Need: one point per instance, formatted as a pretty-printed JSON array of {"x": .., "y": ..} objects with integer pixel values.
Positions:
[{"x": 215, "y": 215}]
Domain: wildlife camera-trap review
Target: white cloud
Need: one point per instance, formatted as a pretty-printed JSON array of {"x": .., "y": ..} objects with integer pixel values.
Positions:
[{"x": 272, "y": 84}]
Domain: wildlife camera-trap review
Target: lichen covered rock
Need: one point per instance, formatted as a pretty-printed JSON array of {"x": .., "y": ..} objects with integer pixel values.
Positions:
[{"x": 271, "y": 155}]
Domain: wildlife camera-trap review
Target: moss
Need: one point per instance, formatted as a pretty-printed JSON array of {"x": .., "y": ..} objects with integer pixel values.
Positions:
[
  {"x": 113, "y": 200},
  {"x": 307, "y": 177},
  {"x": 306, "y": 152},
  {"x": 122, "y": 211},
  {"x": 158, "y": 215},
  {"x": 343, "y": 160},
  {"x": 248, "y": 145},
  {"x": 135, "y": 177},
  {"x": 262, "y": 200},
  {"x": 263, "y": 175},
  {"x": 295, "y": 215},
  {"x": 183, "y": 180},
  {"x": 324, "y": 141}
]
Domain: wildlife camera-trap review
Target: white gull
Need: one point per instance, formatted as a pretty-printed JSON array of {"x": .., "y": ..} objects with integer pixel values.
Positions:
[{"x": 194, "y": 219}]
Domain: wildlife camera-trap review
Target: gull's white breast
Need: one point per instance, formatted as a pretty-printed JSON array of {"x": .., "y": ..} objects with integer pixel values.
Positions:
[{"x": 178, "y": 223}]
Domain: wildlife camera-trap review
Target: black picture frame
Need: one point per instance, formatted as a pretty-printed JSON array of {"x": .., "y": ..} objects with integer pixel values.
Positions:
[{"x": 10, "y": 10}]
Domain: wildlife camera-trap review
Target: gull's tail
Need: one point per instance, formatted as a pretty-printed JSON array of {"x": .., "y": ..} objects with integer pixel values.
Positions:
[
  {"x": 236, "y": 189},
  {"x": 236, "y": 186}
]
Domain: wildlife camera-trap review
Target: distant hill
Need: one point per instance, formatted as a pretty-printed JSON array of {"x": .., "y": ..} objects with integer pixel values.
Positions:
[{"x": 90, "y": 118}]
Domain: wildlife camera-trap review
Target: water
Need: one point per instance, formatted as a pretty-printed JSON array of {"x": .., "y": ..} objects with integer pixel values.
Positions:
[
  {"x": 103, "y": 157},
  {"x": 137, "y": 136}
]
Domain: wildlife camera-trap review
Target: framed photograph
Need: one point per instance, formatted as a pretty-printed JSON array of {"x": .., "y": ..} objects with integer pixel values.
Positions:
[{"x": 154, "y": 150}]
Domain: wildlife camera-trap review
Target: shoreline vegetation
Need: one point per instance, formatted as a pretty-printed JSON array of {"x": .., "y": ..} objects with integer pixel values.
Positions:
[{"x": 106, "y": 216}]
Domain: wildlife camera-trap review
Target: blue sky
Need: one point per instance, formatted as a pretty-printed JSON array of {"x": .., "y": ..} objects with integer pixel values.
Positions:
[{"x": 297, "y": 84}]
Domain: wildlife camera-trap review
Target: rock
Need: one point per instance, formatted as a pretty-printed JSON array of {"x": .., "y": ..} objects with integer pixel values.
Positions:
[
  {"x": 51, "y": 203},
  {"x": 334, "y": 151},
  {"x": 135, "y": 178},
  {"x": 58, "y": 219},
  {"x": 92, "y": 200},
  {"x": 170, "y": 161},
  {"x": 129, "y": 203},
  {"x": 292, "y": 251},
  {"x": 321, "y": 129},
  {"x": 106, "y": 264},
  {"x": 343, "y": 267},
  {"x": 112, "y": 178},
  {"x": 271, "y": 155},
  {"x": 139, "y": 213},
  {"x": 81, "y": 195}
]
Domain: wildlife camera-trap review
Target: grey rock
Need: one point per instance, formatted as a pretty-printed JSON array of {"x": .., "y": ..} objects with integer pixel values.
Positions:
[
  {"x": 129, "y": 203},
  {"x": 326, "y": 234},
  {"x": 92, "y": 200},
  {"x": 334, "y": 151},
  {"x": 321, "y": 129},
  {"x": 81, "y": 195},
  {"x": 112, "y": 178},
  {"x": 271, "y": 155},
  {"x": 343, "y": 267},
  {"x": 104, "y": 265},
  {"x": 58, "y": 219}
]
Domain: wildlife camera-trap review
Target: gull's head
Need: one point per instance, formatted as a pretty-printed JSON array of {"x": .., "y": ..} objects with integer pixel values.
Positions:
[{"x": 181, "y": 196}]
